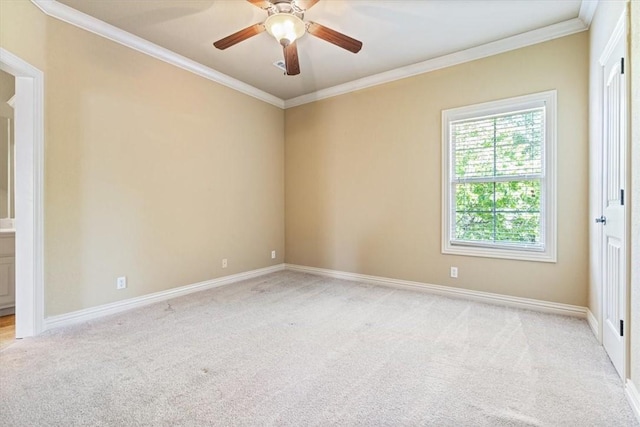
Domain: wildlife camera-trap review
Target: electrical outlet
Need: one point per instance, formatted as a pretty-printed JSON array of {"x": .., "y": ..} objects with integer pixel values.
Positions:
[
  {"x": 121, "y": 282},
  {"x": 224, "y": 263},
  {"x": 454, "y": 272},
  {"x": 273, "y": 254}
]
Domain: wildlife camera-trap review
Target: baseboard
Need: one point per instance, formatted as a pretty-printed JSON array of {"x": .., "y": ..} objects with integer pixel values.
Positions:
[
  {"x": 527, "y": 303},
  {"x": 131, "y": 303},
  {"x": 633, "y": 397},
  {"x": 593, "y": 323},
  {"x": 7, "y": 311}
]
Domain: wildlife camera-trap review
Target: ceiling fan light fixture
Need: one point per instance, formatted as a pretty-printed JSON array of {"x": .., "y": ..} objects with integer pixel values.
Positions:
[{"x": 285, "y": 27}]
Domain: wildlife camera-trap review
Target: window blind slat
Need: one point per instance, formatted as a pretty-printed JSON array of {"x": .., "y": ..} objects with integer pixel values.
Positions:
[
  {"x": 501, "y": 178},
  {"x": 510, "y": 144}
]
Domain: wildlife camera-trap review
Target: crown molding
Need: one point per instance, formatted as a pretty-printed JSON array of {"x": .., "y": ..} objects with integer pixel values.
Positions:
[
  {"x": 587, "y": 10},
  {"x": 82, "y": 20},
  {"x": 74, "y": 17},
  {"x": 529, "y": 38}
]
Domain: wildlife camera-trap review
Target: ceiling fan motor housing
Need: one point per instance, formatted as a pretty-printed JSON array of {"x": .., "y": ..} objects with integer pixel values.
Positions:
[
  {"x": 285, "y": 23},
  {"x": 285, "y": 6}
]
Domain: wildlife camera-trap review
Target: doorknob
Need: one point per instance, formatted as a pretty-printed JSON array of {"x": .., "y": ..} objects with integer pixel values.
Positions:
[{"x": 602, "y": 219}]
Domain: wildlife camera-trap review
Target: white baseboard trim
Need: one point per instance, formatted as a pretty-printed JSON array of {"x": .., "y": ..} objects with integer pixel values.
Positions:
[
  {"x": 7, "y": 311},
  {"x": 633, "y": 397},
  {"x": 527, "y": 303},
  {"x": 593, "y": 323},
  {"x": 131, "y": 303}
]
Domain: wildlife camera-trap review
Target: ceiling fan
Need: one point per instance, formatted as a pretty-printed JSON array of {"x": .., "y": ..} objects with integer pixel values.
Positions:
[{"x": 285, "y": 23}]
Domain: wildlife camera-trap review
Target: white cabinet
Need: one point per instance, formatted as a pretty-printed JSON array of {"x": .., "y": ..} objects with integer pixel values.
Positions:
[{"x": 7, "y": 270}]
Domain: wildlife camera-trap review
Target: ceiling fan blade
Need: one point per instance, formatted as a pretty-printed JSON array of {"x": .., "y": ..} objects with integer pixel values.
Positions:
[
  {"x": 262, "y": 4},
  {"x": 306, "y": 4},
  {"x": 239, "y": 36},
  {"x": 335, "y": 37},
  {"x": 291, "y": 59}
]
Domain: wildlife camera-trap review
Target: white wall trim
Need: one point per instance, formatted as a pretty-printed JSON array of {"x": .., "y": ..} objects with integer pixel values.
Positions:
[
  {"x": 74, "y": 17},
  {"x": 633, "y": 397},
  {"x": 487, "y": 297},
  {"x": 619, "y": 31},
  {"x": 7, "y": 311},
  {"x": 81, "y": 20},
  {"x": 587, "y": 11},
  {"x": 141, "y": 301},
  {"x": 29, "y": 138},
  {"x": 529, "y": 38},
  {"x": 593, "y": 323}
]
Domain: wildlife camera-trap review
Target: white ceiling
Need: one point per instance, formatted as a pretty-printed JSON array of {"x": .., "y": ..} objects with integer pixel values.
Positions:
[{"x": 395, "y": 33}]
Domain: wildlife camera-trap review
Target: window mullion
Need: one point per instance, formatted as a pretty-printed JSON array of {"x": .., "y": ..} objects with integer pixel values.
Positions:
[{"x": 494, "y": 216}]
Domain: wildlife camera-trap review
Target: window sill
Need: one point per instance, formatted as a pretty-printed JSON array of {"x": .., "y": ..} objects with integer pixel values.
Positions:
[{"x": 520, "y": 255}]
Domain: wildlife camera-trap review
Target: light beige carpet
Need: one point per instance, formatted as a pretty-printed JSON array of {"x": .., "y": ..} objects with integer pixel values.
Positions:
[{"x": 294, "y": 349}]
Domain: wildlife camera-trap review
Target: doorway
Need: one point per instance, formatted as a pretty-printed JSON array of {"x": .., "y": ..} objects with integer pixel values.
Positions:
[
  {"x": 7, "y": 211},
  {"x": 29, "y": 176}
]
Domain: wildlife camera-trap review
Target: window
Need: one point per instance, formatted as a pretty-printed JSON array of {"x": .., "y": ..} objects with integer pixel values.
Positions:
[{"x": 499, "y": 179}]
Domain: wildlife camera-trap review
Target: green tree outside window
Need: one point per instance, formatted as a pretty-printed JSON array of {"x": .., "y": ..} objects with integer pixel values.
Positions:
[{"x": 497, "y": 185}]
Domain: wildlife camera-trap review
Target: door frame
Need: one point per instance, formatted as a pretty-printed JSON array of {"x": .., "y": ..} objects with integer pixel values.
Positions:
[
  {"x": 29, "y": 194},
  {"x": 619, "y": 33}
]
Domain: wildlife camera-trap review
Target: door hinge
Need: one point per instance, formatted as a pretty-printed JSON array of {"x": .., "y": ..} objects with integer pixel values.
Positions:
[
  {"x": 621, "y": 197},
  {"x": 621, "y": 327},
  {"x": 621, "y": 65}
]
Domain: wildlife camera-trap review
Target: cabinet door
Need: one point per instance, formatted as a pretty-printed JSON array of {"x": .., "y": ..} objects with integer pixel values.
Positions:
[{"x": 7, "y": 282}]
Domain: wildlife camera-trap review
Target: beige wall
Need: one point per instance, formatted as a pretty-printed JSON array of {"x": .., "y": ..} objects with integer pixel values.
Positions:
[
  {"x": 150, "y": 171},
  {"x": 5, "y": 143},
  {"x": 363, "y": 175},
  {"x": 7, "y": 90}
]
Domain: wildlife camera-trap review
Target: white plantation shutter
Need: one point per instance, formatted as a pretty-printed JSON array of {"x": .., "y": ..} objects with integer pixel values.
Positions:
[{"x": 497, "y": 183}]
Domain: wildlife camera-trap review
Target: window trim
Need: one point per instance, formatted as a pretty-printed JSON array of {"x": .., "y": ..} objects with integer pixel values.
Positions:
[{"x": 549, "y": 218}]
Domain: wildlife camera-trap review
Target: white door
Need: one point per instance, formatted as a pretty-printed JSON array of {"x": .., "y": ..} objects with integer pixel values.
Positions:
[{"x": 614, "y": 295}]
